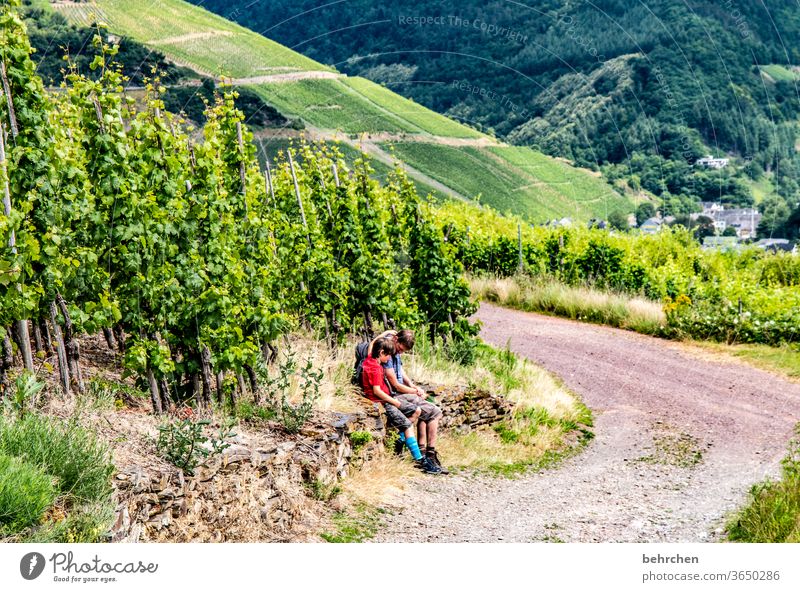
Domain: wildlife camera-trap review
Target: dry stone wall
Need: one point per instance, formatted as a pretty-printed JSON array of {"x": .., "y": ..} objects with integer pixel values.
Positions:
[{"x": 257, "y": 490}]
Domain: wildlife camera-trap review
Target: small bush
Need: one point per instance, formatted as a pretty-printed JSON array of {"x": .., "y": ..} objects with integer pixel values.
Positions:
[
  {"x": 81, "y": 463},
  {"x": 322, "y": 491},
  {"x": 25, "y": 493},
  {"x": 110, "y": 394},
  {"x": 306, "y": 381},
  {"x": 249, "y": 411},
  {"x": 359, "y": 439},
  {"x": 184, "y": 444},
  {"x": 84, "y": 524}
]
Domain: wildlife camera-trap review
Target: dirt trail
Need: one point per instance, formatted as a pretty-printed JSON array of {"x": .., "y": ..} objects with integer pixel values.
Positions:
[{"x": 679, "y": 441}]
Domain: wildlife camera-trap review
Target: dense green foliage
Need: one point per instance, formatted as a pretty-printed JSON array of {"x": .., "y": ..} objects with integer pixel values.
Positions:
[
  {"x": 745, "y": 296},
  {"x": 196, "y": 258}
]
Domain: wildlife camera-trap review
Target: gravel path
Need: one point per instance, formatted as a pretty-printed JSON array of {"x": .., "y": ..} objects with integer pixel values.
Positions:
[{"x": 658, "y": 409}]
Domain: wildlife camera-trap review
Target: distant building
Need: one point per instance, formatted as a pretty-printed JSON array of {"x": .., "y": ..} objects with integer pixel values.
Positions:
[
  {"x": 743, "y": 220},
  {"x": 710, "y": 208},
  {"x": 721, "y": 243},
  {"x": 777, "y": 245},
  {"x": 711, "y": 162},
  {"x": 650, "y": 226}
]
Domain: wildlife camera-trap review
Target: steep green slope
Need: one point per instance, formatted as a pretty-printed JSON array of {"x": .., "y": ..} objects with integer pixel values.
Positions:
[
  {"x": 195, "y": 37},
  {"x": 515, "y": 179}
]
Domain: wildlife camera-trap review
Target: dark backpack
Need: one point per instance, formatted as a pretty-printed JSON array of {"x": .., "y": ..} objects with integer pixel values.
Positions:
[{"x": 362, "y": 351}]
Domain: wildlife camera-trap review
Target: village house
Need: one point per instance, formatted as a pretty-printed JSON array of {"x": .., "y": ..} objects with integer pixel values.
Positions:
[
  {"x": 711, "y": 162},
  {"x": 650, "y": 226},
  {"x": 743, "y": 220}
]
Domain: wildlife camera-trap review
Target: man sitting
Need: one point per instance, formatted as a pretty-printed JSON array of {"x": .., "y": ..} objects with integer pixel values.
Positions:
[
  {"x": 401, "y": 415},
  {"x": 404, "y": 390}
]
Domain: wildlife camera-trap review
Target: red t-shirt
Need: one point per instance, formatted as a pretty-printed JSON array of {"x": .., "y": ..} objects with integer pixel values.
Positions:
[{"x": 373, "y": 373}]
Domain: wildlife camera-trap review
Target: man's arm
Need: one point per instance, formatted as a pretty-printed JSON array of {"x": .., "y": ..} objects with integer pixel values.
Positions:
[
  {"x": 391, "y": 376},
  {"x": 389, "y": 333},
  {"x": 410, "y": 386}
]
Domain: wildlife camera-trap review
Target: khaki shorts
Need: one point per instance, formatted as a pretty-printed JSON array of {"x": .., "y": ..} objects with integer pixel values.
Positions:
[
  {"x": 398, "y": 418},
  {"x": 430, "y": 412}
]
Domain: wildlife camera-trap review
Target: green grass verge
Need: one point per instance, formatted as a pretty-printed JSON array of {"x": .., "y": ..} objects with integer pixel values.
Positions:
[
  {"x": 772, "y": 514},
  {"x": 577, "y": 303},
  {"x": 784, "y": 360},
  {"x": 355, "y": 525}
]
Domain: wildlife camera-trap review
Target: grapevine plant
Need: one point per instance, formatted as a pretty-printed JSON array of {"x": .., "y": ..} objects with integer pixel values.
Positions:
[{"x": 119, "y": 216}]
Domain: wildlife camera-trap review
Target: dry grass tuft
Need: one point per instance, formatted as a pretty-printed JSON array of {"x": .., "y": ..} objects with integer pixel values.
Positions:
[
  {"x": 381, "y": 480},
  {"x": 336, "y": 392},
  {"x": 579, "y": 303}
]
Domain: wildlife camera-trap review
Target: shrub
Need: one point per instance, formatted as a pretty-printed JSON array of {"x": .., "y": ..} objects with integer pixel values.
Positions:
[
  {"x": 81, "y": 463},
  {"x": 184, "y": 444},
  {"x": 84, "y": 524},
  {"x": 359, "y": 439},
  {"x": 25, "y": 493},
  {"x": 248, "y": 411},
  {"x": 306, "y": 381}
]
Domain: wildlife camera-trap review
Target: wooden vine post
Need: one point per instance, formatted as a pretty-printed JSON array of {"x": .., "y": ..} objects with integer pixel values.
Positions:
[{"x": 21, "y": 325}]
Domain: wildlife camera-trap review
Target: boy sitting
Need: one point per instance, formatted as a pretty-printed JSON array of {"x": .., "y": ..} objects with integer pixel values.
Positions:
[{"x": 401, "y": 415}]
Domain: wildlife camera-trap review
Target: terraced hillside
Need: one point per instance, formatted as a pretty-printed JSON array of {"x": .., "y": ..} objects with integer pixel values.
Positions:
[
  {"x": 444, "y": 157},
  {"x": 520, "y": 180}
]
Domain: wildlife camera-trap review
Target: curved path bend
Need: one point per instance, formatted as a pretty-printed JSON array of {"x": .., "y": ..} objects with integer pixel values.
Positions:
[{"x": 658, "y": 408}]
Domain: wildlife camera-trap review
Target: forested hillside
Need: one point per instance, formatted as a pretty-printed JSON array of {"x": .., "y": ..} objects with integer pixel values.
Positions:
[{"x": 652, "y": 86}]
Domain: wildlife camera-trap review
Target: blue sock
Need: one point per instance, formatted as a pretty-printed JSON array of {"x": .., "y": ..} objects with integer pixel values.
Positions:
[
  {"x": 402, "y": 436},
  {"x": 411, "y": 442}
]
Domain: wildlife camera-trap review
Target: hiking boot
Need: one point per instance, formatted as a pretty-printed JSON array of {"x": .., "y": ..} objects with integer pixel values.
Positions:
[
  {"x": 434, "y": 457},
  {"x": 399, "y": 447},
  {"x": 426, "y": 465}
]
